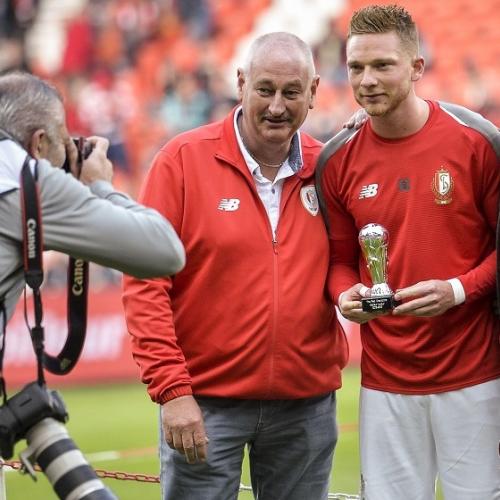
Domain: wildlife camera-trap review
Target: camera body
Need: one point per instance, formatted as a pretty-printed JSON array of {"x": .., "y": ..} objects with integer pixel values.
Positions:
[
  {"x": 84, "y": 148},
  {"x": 24, "y": 410},
  {"x": 38, "y": 415}
]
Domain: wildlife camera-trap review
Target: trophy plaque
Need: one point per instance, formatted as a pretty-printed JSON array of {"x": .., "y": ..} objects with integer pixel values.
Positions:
[{"x": 374, "y": 240}]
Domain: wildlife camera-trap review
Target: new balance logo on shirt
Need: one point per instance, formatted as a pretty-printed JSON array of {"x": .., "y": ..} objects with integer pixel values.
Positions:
[
  {"x": 229, "y": 204},
  {"x": 368, "y": 191}
]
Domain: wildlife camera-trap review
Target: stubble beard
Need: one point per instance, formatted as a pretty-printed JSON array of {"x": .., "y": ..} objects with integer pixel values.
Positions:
[{"x": 385, "y": 108}]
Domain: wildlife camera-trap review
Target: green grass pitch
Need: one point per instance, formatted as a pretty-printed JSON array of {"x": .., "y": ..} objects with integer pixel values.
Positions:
[{"x": 122, "y": 419}]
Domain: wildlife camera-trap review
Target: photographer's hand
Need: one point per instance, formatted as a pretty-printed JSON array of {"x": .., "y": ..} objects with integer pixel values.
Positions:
[
  {"x": 184, "y": 429},
  {"x": 97, "y": 167}
]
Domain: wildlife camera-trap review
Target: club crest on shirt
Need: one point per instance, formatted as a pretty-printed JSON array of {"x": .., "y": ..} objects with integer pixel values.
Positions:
[
  {"x": 442, "y": 186},
  {"x": 310, "y": 199}
]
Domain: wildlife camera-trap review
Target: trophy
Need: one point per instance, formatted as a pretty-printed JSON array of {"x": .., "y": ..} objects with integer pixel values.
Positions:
[{"x": 374, "y": 240}]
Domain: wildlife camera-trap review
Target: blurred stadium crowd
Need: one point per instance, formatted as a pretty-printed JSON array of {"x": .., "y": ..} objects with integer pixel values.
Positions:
[{"x": 141, "y": 71}]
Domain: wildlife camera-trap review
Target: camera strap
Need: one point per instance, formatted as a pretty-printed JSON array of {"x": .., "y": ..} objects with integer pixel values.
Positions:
[
  {"x": 2, "y": 348},
  {"x": 33, "y": 270}
]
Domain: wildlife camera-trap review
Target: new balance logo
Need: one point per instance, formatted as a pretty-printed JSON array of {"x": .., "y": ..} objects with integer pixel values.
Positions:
[
  {"x": 229, "y": 204},
  {"x": 368, "y": 191}
]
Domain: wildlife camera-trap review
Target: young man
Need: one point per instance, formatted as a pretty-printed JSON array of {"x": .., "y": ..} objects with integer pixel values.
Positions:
[
  {"x": 429, "y": 173},
  {"x": 242, "y": 347}
]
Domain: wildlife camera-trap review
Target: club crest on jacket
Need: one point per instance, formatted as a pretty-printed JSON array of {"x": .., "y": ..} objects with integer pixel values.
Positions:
[{"x": 310, "y": 199}]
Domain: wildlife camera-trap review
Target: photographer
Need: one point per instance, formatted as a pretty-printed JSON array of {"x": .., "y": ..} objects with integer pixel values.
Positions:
[
  {"x": 80, "y": 215},
  {"x": 84, "y": 218}
]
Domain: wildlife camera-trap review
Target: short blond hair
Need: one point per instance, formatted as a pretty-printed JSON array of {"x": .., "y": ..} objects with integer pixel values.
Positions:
[{"x": 384, "y": 19}]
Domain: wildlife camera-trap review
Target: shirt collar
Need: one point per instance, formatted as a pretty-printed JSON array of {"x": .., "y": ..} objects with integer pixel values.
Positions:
[{"x": 294, "y": 160}]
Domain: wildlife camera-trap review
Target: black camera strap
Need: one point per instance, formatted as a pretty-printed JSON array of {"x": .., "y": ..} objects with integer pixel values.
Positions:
[
  {"x": 3, "y": 313},
  {"x": 32, "y": 246},
  {"x": 33, "y": 269}
]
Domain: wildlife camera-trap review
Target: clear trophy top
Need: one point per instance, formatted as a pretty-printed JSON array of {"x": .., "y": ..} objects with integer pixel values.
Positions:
[{"x": 374, "y": 240}]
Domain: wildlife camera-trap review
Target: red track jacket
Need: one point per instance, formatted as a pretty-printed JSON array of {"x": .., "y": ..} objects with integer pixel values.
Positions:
[{"x": 248, "y": 317}]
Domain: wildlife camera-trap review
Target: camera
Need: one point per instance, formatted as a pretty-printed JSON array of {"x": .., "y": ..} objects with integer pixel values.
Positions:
[
  {"x": 38, "y": 415},
  {"x": 84, "y": 148},
  {"x": 23, "y": 410}
]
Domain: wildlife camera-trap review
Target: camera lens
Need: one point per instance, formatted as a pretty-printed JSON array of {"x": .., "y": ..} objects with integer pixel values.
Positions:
[{"x": 63, "y": 463}]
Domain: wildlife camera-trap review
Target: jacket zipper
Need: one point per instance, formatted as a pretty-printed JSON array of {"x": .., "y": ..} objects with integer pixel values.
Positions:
[
  {"x": 274, "y": 241},
  {"x": 276, "y": 290},
  {"x": 274, "y": 312}
]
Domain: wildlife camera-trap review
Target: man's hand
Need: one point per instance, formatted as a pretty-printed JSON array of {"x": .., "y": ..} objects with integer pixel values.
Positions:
[
  {"x": 184, "y": 429},
  {"x": 425, "y": 298},
  {"x": 350, "y": 304},
  {"x": 356, "y": 120},
  {"x": 97, "y": 167}
]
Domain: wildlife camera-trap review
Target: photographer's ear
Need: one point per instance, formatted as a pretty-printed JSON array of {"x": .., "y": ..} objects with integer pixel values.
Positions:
[{"x": 38, "y": 146}]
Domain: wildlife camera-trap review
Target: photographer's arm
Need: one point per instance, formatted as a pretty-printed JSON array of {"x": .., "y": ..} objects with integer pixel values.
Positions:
[{"x": 104, "y": 226}]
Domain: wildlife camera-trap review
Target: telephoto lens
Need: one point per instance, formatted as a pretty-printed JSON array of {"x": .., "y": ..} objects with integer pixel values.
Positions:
[{"x": 63, "y": 463}]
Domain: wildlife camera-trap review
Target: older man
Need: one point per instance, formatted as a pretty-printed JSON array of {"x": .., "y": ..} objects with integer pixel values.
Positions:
[{"x": 243, "y": 347}]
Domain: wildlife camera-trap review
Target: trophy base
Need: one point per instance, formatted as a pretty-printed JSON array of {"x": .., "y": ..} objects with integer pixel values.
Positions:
[{"x": 380, "y": 303}]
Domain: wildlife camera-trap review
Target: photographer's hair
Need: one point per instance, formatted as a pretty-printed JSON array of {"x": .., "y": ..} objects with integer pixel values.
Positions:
[
  {"x": 277, "y": 40},
  {"x": 375, "y": 19},
  {"x": 27, "y": 104}
]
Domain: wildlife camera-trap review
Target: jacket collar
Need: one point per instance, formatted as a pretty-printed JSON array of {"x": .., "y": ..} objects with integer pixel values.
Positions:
[{"x": 12, "y": 158}]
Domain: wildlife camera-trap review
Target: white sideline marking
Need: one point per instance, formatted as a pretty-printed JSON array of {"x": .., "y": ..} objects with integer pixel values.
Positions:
[{"x": 102, "y": 456}]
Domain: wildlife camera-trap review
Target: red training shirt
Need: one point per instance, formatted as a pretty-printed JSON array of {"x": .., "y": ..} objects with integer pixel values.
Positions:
[{"x": 436, "y": 192}]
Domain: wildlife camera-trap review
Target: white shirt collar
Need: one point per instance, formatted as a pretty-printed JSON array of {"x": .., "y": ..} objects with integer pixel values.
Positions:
[{"x": 289, "y": 166}]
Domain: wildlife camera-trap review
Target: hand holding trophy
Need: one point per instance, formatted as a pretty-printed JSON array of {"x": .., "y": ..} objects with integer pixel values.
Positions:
[{"x": 374, "y": 240}]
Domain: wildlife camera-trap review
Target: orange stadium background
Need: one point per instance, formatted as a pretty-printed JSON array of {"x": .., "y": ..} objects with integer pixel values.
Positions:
[{"x": 140, "y": 71}]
